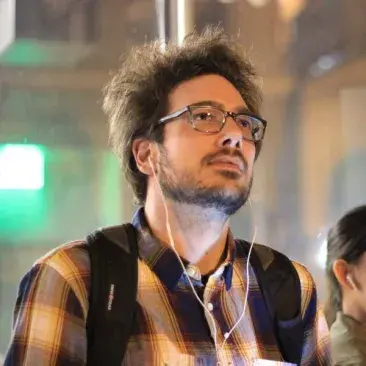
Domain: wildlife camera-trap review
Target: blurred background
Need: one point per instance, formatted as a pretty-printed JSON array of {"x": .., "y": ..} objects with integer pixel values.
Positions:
[{"x": 58, "y": 179}]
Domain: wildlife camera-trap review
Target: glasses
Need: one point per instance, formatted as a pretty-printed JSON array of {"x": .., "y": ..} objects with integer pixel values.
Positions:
[{"x": 210, "y": 120}]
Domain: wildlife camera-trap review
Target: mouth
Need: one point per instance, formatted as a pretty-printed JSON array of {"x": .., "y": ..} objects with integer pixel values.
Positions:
[{"x": 229, "y": 163}]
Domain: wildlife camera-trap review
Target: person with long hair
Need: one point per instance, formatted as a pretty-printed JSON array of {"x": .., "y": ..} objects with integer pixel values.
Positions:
[{"x": 346, "y": 272}]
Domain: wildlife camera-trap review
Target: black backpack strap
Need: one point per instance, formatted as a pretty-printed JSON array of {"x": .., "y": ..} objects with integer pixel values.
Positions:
[
  {"x": 113, "y": 289},
  {"x": 280, "y": 286}
]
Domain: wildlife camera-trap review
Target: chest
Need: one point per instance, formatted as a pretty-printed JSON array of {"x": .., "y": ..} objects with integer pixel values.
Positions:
[{"x": 172, "y": 327}]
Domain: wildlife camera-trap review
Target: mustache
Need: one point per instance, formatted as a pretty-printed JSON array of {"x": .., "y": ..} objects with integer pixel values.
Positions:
[{"x": 225, "y": 152}]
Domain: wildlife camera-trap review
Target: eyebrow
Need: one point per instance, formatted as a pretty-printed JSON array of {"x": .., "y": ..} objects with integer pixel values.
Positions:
[{"x": 211, "y": 103}]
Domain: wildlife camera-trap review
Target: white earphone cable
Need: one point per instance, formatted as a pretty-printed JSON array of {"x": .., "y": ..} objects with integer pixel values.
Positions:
[{"x": 218, "y": 349}]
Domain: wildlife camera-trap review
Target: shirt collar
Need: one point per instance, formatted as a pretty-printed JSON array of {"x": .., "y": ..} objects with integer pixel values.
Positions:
[{"x": 163, "y": 261}]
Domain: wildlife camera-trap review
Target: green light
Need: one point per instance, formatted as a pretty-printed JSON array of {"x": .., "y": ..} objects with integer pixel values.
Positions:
[{"x": 21, "y": 167}]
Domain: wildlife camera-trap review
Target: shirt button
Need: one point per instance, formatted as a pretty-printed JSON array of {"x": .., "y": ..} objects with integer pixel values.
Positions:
[
  {"x": 210, "y": 306},
  {"x": 193, "y": 272}
]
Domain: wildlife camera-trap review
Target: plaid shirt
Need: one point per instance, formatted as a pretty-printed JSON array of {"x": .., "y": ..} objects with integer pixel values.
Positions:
[{"x": 171, "y": 328}]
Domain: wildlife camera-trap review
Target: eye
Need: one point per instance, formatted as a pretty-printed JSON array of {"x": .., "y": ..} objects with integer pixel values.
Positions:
[
  {"x": 244, "y": 121},
  {"x": 203, "y": 116}
]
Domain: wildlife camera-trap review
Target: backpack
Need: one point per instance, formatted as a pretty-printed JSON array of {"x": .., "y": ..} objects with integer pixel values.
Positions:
[{"x": 112, "y": 300}]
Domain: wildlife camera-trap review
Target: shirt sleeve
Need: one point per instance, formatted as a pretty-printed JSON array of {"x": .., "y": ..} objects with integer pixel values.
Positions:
[
  {"x": 50, "y": 314},
  {"x": 316, "y": 349}
]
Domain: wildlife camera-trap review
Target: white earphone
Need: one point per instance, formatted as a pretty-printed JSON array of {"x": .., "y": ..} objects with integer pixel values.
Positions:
[
  {"x": 350, "y": 280},
  {"x": 150, "y": 163},
  {"x": 218, "y": 348}
]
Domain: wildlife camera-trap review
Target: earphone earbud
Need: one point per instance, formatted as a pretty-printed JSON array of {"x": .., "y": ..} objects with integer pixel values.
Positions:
[
  {"x": 151, "y": 164},
  {"x": 350, "y": 280}
]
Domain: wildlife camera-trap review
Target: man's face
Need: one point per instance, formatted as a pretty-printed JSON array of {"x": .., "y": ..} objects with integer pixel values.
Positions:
[{"x": 207, "y": 170}]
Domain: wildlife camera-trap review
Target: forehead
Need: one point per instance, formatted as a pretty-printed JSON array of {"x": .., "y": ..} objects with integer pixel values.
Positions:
[{"x": 206, "y": 87}]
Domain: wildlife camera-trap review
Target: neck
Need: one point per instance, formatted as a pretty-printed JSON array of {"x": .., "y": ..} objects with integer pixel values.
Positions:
[
  {"x": 355, "y": 310},
  {"x": 199, "y": 234}
]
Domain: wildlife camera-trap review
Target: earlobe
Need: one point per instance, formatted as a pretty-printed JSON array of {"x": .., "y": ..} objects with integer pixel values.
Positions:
[{"x": 141, "y": 150}]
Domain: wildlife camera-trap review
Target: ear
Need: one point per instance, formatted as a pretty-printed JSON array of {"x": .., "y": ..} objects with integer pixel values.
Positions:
[
  {"x": 344, "y": 274},
  {"x": 143, "y": 154}
]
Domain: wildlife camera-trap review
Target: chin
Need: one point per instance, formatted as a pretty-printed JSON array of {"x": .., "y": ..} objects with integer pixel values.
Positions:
[
  {"x": 231, "y": 188},
  {"x": 232, "y": 179}
]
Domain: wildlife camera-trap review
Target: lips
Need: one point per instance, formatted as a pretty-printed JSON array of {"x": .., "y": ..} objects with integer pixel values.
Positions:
[{"x": 230, "y": 160}]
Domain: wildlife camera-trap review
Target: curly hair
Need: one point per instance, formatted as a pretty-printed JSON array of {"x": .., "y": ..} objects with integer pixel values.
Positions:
[{"x": 136, "y": 97}]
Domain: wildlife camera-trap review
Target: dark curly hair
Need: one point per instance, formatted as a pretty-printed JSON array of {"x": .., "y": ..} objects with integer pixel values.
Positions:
[{"x": 136, "y": 97}]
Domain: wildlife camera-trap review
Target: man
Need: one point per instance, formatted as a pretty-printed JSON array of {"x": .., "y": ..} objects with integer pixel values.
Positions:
[{"x": 185, "y": 124}]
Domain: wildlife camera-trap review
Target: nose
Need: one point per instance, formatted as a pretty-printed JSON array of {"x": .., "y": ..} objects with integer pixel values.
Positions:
[{"x": 231, "y": 134}]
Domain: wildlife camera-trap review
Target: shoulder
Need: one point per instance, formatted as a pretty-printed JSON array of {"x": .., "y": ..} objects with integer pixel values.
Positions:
[
  {"x": 67, "y": 265},
  {"x": 51, "y": 309},
  {"x": 69, "y": 259},
  {"x": 347, "y": 340},
  {"x": 270, "y": 258},
  {"x": 306, "y": 279},
  {"x": 309, "y": 296},
  {"x": 268, "y": 255}
]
